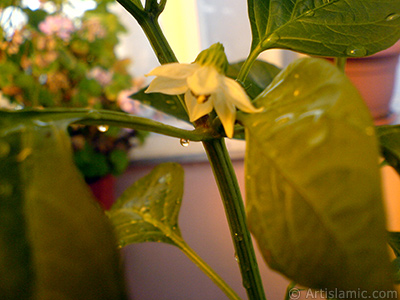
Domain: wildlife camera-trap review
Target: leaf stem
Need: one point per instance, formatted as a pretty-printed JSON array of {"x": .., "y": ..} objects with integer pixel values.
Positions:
[
  {"x": 113, "y": 118},
  {"x": 245, "y": 69},
  {"x": 234, "y": 208},
  {"x": 199, "y": 262},
  {"x": 340, "y": 63}
]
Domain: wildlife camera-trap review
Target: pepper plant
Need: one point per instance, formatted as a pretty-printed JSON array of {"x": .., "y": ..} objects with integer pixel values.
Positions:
[{"x": 313, "y": 192}]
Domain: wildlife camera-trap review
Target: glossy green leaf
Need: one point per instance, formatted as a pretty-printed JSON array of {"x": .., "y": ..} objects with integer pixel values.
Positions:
[
  {"x": 260, "y": 75},
  {"x": 55, "y": 241},
  {"x": 168, "y": 104},
  {"x": 396, "y": 267},
  {"x": 313, "y": 183},
  {"x": 325, "y": 27},
  {"x": 148, "y": 210},
  {"x": 389, "y": 137},
  {"x": 394, "y": 242}
]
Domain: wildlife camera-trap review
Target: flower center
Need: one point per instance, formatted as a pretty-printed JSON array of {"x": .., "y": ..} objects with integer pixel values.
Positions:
[{"x": 201, "y": 98}]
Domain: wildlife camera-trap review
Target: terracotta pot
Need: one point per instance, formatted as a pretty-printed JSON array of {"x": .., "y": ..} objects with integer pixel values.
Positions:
[
  {"x": 374, "y": 76},
  {"x": 103, "y": 190}
]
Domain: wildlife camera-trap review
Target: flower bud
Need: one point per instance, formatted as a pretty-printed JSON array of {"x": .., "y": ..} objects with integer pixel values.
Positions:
[{"x": 214, "y": 56}]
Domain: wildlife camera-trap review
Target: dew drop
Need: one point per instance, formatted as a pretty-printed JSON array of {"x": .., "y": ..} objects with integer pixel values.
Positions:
[
  {"x": 184, "y": 142},
  {"x": 6, "y": 189},
  {"x": 284, "y": 118},
  {"x": 356, "y": 51},
  {"x": 392, "y": 17},
  {"x": 238, "y": 237},
  {"x": 4, "y": 149},
  {"x": 273, "y": 38},
  {"x": 236, "y": 257},
  {"x": 309, "y": 13},
  {"x": 103, "y": 128}
]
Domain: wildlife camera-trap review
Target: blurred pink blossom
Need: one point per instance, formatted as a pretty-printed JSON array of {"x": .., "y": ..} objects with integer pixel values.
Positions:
[
  {"x": 59, "y": 25},
  {"x": 134, "y": 107},
  {"x": 102, "y": 76}
]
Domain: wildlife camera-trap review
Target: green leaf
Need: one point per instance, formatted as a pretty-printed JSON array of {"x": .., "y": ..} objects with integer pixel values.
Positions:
[
  {"x": 394, "y": 242},
  {"x": 166, "y": 103},
  {"x": 35, "y": 17},
  {"x": 119, "y": 160},
  {"x": 55, "y": 241},
  {"x": 313, "y": 183},
  {"x": 396, "y": 267},
  {"x": 389, "y": 138},
  {"x": 148, "y": 210},
  {"x": 325, "y": 27},
  {"x": 260, "y": 76},
  {"x": 91, "y": 163}
]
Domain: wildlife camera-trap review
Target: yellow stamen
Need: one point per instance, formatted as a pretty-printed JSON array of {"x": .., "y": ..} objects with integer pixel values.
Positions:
[{"x": 202, "y": 98}]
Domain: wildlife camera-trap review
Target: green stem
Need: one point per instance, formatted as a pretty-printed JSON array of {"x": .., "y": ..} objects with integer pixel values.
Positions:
[
  {"x": 113, "y": 118},
  {"x": 340, "y": 63},
  {"x": 158, "y": 41},
  {"x": 199, "y": 262},
  {"x": 234, "y": 208},
  {"x": 245, "y": 69}
]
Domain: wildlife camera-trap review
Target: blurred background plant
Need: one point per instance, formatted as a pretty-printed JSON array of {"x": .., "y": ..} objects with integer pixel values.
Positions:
[{"x": 62, "y": 54}]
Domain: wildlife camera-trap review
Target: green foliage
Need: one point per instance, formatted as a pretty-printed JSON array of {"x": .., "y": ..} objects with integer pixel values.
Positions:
[
  {"x": 68, "y": 62},
  {"x": 394, "y": 242},
  {"x": 166, "y": 103},
  {"x": 325, "y": 27},
  {"x": 148, "y": 210},
  {"x": 389, "y": 137},
  {"x": 51, "y": 229},
  {"x": 312, "y": 181},
  {"x": 260, "y": 76}
]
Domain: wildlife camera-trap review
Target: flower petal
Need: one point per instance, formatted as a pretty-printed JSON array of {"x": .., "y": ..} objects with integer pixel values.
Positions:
[
  {"x": 167, "y": 86},
  {"x": 174, "y": 70},
  {"x": 197, "y": 110},
  {"x": 237, "y": 96},
  {"x": 204, "y": 81},
  {"x": 226, "y": 111}
]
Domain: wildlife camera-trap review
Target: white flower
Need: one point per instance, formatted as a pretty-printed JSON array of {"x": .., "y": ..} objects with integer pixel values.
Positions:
[{"x": 205, "y": 89}]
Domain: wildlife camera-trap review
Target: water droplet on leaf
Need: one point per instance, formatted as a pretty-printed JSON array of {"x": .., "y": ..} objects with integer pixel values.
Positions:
[
  {"x": 272, "y": 39},
  {"x": 309, "y": 13},
  {"x": 356, "y": 51},
  {"x": 392, "y": 17},
  {"x": 236, "y": 257},
  {"x": 238, "y": 237},
  {"x": 284, "y": 118},
  {"x": 103, "y": 128},
  {"x": 184, "y": 142}
]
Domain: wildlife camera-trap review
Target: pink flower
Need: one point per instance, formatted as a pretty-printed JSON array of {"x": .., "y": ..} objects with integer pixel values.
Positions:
[
  {"x": 58, "y": 25},
  {"x": 102, "y": 76}
]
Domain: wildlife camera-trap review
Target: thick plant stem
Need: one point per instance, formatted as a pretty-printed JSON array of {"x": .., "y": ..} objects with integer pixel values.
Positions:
[{"x": 234, "y": 208}]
